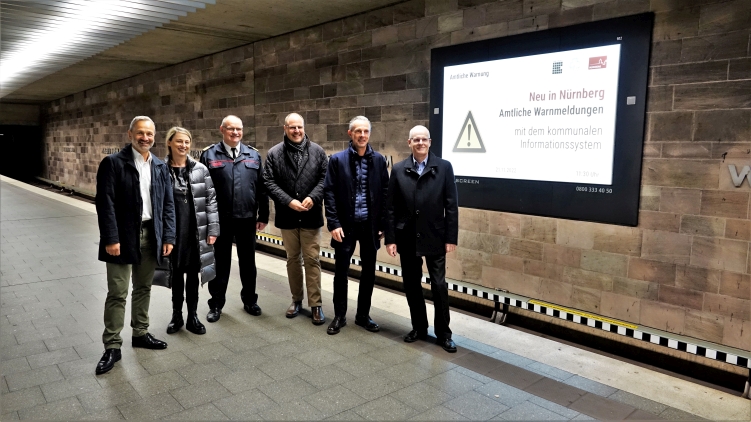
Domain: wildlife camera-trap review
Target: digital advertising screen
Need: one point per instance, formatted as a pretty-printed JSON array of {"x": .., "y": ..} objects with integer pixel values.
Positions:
[{"x": 549, "y": 123}]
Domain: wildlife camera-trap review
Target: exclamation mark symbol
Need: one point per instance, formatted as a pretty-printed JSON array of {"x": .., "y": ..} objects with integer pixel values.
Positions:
[{"x": 469, "y": 134}]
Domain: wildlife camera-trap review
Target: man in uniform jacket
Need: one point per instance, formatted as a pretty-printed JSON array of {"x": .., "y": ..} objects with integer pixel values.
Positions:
[
  {"x": 294, "y": 173},
  {"x": 355, "y": 192},
  {"x": 136, "y": 216},
  {"x": 237, "y": 174},
  {"x": 423, "y": 221}
]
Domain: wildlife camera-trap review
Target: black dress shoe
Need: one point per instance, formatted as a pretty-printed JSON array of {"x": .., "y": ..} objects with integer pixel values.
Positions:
[
  {"x": 194, "y": 325},
  {"x": 447, "y": 344},
  {"x": 176, "y": 323},
  {"x": 253, "y": 309},
  {"x": 336, "y": 325},
  {"x": 294, "y": 309},
  {"x": 214, "y": 315},
  {"x": 317, "y": 315},
  {"x": 413, "y": 336},
  {"x": 108, "y": 360},
  {"x": 147, "y": 341},
  {"x": 367, "y": 323}
]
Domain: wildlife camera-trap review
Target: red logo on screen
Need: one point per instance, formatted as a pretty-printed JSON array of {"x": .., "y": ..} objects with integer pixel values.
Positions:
[{"x": 598, "y": 62}]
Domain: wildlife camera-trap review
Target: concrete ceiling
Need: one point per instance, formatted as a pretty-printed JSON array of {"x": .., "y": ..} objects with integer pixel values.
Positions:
[{"x": 217, "y": 27}]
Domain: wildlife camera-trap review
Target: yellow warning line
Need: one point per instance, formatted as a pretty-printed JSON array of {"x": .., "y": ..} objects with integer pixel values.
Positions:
[{"x": 585, "y": 314}]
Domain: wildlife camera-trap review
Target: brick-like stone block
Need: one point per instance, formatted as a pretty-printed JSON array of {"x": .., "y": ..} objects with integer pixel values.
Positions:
[
  {"x": 725, "y": 17},
  {"x": 681, "y": 297},
  {"x": 728, "y": 306},
  {"x": 660, "y": 98},
  {"x": 721, "y": 254},
  {"x": 676, "y": 24},
  {"x": 603, "y": 262},
  {"x": 670, "y": 126},
  {"x": 435, "y": 7},
  {"x": 540, "y": 7},
  {"x": 655, "y": 271},
  {"x": 650, "y": 198},
  {"x": 738, "y": 229},
  {"x": 586, "y": 299},
  {"x": 735, "y": 285},
  {"x": 451, "y": 22},
  {"x": 539, "y": 229},
  {"x": 621, "y": 307},
  {"x": 575, "y": 234},
  {"x": 739, "y": 69},
  {"x": 543, "y": 269},
  {"x": 702, "y": 226},
  {"x": 588, "y": 279},
  {"x": 724, "y": 204},
  {"x": 713, "y": 96},
  {"x": 568, "y": 17},
  {"x": 686, "y": 150},
  {"x": 680, "y": 201},
  {"x": 504, "y": 224},
  {"x": 699, "y": 279},
  {"x": 714, "y": 47},
  {"x": 536, "y": 23},
  {"x": 653, "y": 150},
  {"x": 662, "y": 316},
  {"x": 618, "y": 239},
  {"x": 665, "y": 221},
  {"x": 737, "y": 333},
  {"x": 561, "y": 255},
  {"x": 514, "y": 282},
  {"x": 504, "y": 11},
  {"x": 526, "y": 249},
  {"x": 723, "y": 126},
  {"x": 555, "y": 292},
  {"x": 704, "y": 325},
  {"x": 510, "y": 263},
  {"x": 690, "y": 73},
  {"x": 665, "y": 52},
  {"x": 636, "y": 288},
  {"x": 681, "y": 173},
  {"x": 666, "y": 247},
  {"x": 485, "y": 32}
]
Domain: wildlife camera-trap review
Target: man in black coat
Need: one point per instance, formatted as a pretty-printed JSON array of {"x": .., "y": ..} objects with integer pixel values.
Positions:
[
  {"x": 423, "y": 221},
  {"x": 294, "y": 173},
  {"x": 355, "y": 192},
  {"x": 136, "y": 216},
  {"x": 243, "y": 205}
]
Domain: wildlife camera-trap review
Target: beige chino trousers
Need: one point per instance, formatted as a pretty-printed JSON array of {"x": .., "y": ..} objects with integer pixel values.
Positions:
[{"x": 303, "y": 247}]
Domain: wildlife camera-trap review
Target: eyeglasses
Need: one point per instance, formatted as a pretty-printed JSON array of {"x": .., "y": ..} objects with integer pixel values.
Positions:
[
  {"x": 233, "y": 129},
  {"x": 295, "y": 127},
  {"x": 420, "y": 140}
]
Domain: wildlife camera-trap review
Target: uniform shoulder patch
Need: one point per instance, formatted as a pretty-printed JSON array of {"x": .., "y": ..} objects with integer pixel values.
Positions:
[
  {"x": 253, "y": 148},
  {"x": 207, "y": 148}
]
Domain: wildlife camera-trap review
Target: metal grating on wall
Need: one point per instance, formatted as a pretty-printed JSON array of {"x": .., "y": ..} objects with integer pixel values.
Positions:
[{"x": 40, "y": 37}]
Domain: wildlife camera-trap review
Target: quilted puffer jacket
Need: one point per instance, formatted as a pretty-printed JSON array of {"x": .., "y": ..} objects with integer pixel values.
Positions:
[{"x": 284, "y": 184}]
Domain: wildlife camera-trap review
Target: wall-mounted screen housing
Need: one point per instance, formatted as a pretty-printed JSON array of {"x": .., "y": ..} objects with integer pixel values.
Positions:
[{"x": 547, "y": 123}]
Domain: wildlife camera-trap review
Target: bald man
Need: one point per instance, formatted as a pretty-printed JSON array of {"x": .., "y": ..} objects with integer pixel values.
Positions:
[{"x": 294, "y": 174}]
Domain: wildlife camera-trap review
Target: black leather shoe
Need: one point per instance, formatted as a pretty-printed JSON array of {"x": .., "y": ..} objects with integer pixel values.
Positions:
[
  {"x": 413, "y": 336},
  {"x": 367, "y": 323},
  {"x": 176, "y": 323},
  {"x": 336, "y": 325},
  {"x": 214, "y": 315},
  {"x": 294, "y": 309},
  {"x": 317, "y": 315},
  {"x": 253, "y": 309},
  {"x": 147, "y": 341},
  {"x": 194, "y": 325},
  {"x": 108, "y": 360},
  {"x": 447, "y": 344}
]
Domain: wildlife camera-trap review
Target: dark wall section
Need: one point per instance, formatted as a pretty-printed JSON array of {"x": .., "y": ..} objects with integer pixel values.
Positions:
[{"x": 23, "y": 152}]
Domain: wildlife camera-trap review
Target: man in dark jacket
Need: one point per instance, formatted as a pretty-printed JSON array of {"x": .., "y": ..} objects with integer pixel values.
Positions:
[
  {"x": 294, "y": 173},
  {"x": 355, "y": 192},
  {"x": 237, "y": 174},
  {"x": 423, "y": 221},
  {"x": 136, "y": 216}
]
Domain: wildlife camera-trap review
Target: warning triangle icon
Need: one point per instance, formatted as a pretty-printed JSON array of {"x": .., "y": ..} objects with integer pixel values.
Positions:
[{"x": 469, "y": 139}]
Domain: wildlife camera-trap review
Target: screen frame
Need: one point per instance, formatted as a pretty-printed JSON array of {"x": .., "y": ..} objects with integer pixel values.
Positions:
[{"x": 575, "y": 201}]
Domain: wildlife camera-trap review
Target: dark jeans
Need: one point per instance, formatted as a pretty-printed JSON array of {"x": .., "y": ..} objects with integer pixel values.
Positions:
[
  {"x": 412, "y": 268},
  {"x": 362, "y": 232},
  {"x": 243, "y": 232},
  {"x": 184, "y": 279}
]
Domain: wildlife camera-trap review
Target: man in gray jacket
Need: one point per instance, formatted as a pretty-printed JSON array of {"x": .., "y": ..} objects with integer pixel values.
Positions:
[{"x": 294, "y": 173}]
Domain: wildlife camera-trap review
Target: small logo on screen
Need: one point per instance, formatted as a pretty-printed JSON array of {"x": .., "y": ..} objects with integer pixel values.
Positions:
[
  {"x": 557, "y": 67},
  {"x": 600, "y": 62}
]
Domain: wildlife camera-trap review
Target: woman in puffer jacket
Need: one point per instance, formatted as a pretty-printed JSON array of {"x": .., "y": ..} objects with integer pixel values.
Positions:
[{"x": 197, "y": 229}]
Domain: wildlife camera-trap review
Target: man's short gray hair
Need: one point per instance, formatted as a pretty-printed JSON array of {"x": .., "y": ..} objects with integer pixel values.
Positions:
[
  {"x": 416, "y": 128},
  {"x": 286, "y": 119},
  {"x": 139, "y": 119},
  {"x": 362, "y": 119},
  {"x": 231, "y": 116}
]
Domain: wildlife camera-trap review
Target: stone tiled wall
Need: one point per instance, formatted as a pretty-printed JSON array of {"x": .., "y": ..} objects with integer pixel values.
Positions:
[{"x": 684, "y": 269}]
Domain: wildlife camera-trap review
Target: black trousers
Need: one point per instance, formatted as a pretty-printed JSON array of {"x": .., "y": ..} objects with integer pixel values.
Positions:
[
  {"x": 185, "y": 279},
  {"x": 243, "y": 232},
  {"x": 412, "y": 269},
  {"x": 363, "y": 233}
]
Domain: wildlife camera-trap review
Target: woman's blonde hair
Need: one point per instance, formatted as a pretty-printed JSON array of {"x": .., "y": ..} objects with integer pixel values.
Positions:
[{"x": 171, "y": 134}]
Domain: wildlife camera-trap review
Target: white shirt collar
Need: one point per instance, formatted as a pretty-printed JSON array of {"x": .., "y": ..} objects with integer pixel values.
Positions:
[
  {"x": 229, "y": 148},
  {"x": 138, "y": 158},
  {"x": 424, "y": 162}
]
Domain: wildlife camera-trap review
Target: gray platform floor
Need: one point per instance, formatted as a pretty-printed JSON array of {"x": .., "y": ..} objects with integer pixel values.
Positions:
[{"x": 52, "y": 292}]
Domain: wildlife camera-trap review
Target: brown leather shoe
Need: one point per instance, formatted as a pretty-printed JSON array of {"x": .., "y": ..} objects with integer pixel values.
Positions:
[
  {"x": 294, "y": 309},
  {"x": 318, "y": 317}
]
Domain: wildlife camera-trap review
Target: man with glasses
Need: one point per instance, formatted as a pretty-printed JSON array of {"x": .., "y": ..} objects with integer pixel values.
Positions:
[
  {"x": 294, "y": 173},
  {"x": 237, "y": 174},
  {"x": 423, "y": 221}
]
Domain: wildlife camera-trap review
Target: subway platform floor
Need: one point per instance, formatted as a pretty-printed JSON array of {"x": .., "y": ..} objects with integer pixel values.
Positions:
[{"x": 52, "y": 292}]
